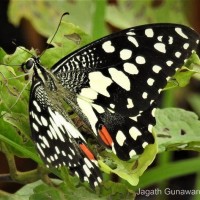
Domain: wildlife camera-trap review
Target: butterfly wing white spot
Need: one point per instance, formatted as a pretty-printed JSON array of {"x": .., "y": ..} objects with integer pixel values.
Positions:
[
  {"x": 108, "y": 47},
  {"x": 144, "y": 95},
  {"x": 149, "y": 32},
  {"x": 160, "y": 47},
  {"x": 130, "y": 68},
  {"x": 134, "y": 132},
  {"x": 132, "y": 153},
  {"x": 169, "y": 63},
  {"x": 133, "y": 40},
  {"x": 125, "y": 54},
  {"x": 120, "y": 138},
  {"x": 156, "y": 69},
  {"x": 186, "y": 45},
  {"x": 87, "y": 109},
  {"x": 180, "y": 32},
  {"x": 150, "y": 81},
  {"x": 95, "y": 79},
  {"x": 37, "y": 106},
  {"x": 140, "y": 60},
  {"x": 130, "y": 103},
  {"x": 120, "y": 78},
  {"x": 178, "y": 54}
]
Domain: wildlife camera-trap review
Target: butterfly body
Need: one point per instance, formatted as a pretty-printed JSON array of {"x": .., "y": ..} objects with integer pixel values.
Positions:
[{"x": 112, "y": 84}]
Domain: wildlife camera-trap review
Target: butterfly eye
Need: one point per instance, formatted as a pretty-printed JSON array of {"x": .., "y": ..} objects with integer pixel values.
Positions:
[{"x": 29, "y": 64}]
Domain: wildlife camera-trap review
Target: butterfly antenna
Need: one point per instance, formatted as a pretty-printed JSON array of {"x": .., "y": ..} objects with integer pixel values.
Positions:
[
  {"x": 18, "y": 97},
  {"x": 23, "y": 49},
  {"x": 23, "y": 75},
  {"x": 48, "y": 45},
  {"x": 20, "y": 94},
  {"x": 8, "y": 65}
]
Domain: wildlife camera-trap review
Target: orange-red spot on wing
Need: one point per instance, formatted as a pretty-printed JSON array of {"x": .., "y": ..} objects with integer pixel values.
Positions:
[
  {"x": 87, "y": 152},
  {"x": 105, "y": 136}
]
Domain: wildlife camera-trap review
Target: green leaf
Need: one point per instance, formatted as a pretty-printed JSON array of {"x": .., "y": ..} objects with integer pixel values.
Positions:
[
  {"x": 40, "y": 191},
  {"x": 43, "y": 191},
  {"x": 44, "y": 16},
  {"x": 22, "y": 137},
  {"x": 64, "y": 43},
  {"x": 128, "y": 170},
  {"x": 168, "y": 171},
  {"x": 183, "y": 75},
  {"x": 2, "y": 54},
  {"x": 177, "y": 129},
  {"x": 27, "y": 153},
  {"x": 126, "y": 13},
  {"x": 28, "y": 190},
  {"x": 14, "y": 119},
  {"x": 116, "y": 191},
  {"x": 19, "y": 121}
]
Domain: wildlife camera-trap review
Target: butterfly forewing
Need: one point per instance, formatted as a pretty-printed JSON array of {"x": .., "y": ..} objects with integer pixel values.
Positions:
[
  {"x": 118, "y": 78},
  {"x": 126, "y": 70},
  {"x": 57, "y": 139}
]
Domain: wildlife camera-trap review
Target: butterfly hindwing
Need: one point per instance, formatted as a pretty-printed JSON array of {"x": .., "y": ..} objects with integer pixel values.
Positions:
[
  {"x": 126, "y": 136},
  {"x": 57, "y": 139}
]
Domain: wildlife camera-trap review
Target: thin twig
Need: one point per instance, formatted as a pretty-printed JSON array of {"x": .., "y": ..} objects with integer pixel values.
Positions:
[
  {"x": 20, "y": 177},
  {"x": 4, "y": 194},
  {"x": 5, "y": 178}
]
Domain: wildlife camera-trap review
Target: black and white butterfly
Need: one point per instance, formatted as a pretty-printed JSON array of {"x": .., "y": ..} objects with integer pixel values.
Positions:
[{"x": 112, "y": 84}]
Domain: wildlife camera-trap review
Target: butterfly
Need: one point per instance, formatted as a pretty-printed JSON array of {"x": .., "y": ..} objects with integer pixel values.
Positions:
[{"x": 112, "y": 84}]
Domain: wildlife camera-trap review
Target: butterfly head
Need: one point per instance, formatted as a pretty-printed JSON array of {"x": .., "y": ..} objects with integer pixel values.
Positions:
[
  {"x": 37, "y": 72},
  {"x": 30, "y": 64}
]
